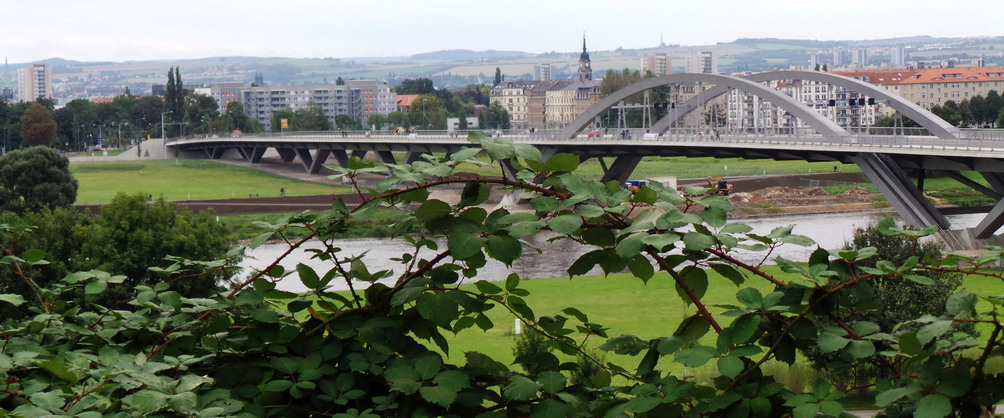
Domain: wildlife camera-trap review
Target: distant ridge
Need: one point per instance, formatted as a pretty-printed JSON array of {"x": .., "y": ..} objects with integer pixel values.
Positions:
[{"x": 466, "y": 55}]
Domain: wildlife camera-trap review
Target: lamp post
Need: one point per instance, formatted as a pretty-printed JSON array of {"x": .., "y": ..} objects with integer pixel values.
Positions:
[{"x": 163, "y": 132}]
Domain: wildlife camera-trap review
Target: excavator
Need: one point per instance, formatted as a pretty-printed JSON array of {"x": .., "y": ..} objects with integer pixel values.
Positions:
[{"x": 721, "y": 186}]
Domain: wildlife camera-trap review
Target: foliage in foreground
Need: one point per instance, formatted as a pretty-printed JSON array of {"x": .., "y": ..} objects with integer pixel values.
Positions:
[
  {"x": 128, "y": 237},
  {"x": 258, "y": 351}
]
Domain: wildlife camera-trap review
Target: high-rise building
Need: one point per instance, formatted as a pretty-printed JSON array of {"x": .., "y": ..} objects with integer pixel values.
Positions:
[
  {"x": 859, "y": 57},
  {"x": 703, "y": 62},
  {"x": 838, "y": 58},
  {"x": 33, "y": 82},
  {"x": 814, "y": 61},
  {"x": 898, "y": 56},
  {"x": 542, "y": 71},
  {"x": 658, "y": 64}
]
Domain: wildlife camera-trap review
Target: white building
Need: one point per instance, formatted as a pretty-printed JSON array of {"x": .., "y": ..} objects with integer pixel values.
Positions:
[
  {"x": 358, "y": 99},
  {"x": 33, "y": 82},
  {"x": 704, "y": 62},
  {"x": 658, "y": 64}
]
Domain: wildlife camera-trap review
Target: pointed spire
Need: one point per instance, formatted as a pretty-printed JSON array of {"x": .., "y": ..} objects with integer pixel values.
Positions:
[{"x": 583, "y": 41}]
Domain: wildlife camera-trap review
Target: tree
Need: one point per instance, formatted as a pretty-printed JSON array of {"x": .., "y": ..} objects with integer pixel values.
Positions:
[
  {"x": 898, "y": 299},
  {"x": 496, "y": 117},
  {"x": 38, "y": 127},
  {"x": 35, "y": 178},
  {"x": 1000, "y": 118},
  {"x": 376, "y": 121},
  {"x": 202, "y": 111},
  {"x": 994, "y": 103},
  {"x": 312, "y": 118},
  {"x": 427, "y": 112},
  {"x": 289, "y": 116},
  {"x": 398, "y": 119},
  {"x": 949, "y": 111},
  {"x": 339, "y": 82},
  {"x": 417, "y": 86},
  {"x": 235, "y": 110},
  {"x": 498, "y": 77}
]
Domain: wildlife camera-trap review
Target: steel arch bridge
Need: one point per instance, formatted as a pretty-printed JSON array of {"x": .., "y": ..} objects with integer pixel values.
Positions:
[
  {"x": 885, "y": 172},
  {"x": 885, "y": 161}
]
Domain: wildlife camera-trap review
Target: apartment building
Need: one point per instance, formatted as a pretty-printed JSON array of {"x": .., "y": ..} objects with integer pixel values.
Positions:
[
  {"x": 703, "y": 62},
  {"x": 658, "y": 64},
  {"x": 358, "y": 99},
  {"x": 33, "y": 82},
  {"x": 935, "y": 86}
]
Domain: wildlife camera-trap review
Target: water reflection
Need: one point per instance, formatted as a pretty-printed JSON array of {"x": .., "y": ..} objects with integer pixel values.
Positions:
[{"x": 829, "y": 231}]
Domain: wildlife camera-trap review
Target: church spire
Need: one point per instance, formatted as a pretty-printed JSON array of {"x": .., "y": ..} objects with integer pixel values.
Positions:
[{"x": 585, "y": 67}]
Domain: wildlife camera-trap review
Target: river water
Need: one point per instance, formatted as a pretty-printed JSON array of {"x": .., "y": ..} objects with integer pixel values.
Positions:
[{"x": 830, "y": 231}]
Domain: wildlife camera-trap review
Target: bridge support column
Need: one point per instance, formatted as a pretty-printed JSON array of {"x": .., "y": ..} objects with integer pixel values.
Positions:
[
  {"x": 621, "y": 169},
  {"x": 341, "y": 157},
  {"x": 359, "y": 153},
  {"x": 386, "y": 157},
  {"x": 286, "y": 154},
  {"x": 215, "y": 152},
  {"x": 305, "y": 158},
  {"x": 257, "y": 153},
  {"x": 904, "y": 196},
  {"x": 996, "y": 194},
  {"x": 412, "y": 156},
  {"x": 319, "y": 158}
]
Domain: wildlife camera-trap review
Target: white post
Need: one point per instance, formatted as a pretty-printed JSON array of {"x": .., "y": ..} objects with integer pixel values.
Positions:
[{"x": 516, "y": 326}]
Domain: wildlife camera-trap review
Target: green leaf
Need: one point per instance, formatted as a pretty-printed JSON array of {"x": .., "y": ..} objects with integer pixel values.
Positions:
[
  {"x": 95, "y": 286},
  {"x": 51, "y": 401},
  {"x": 521, "y": 388},
  {"x": 933, "y": 330},
  {"x": 562, "y": 162},
  {"x": 630, "y": 245},
  {"x": 552, "y": 382},
  {"x": 730, "y": 366},
  {"x": 544, "y": 203},
  {"x": 452, "y": 379},
  {"x": 909, "y": 344},
  {"x": 962, "y": 305},
  {"x": 438, "y": 308},
  {"x": 696, "y": 280},
  {"x": 438, "y": 395},
  {"x": 744, "y": 328},
  {"x": 696, "y": 356},
  {"x": 696, "y": 241},
  {"x": 565, "y": 224},
  {"x": 714, "y": 217},
  {"x": 599, "y": 236},
  {"x": 432, "y": 209},
  {"x": 487, "y": 288},
  {"x": 512, "y": 282},
  {"x": 933, "y": 406},
  {"x": 463, "y": 246},
  {"x": 147, "y": 401},
  {"x": 12, "y": 299},
  {"x": 642, "y": 404},
  {"x": 184, "y": 402},
  {"x": 308, "y": 277},
  {"x": 641, "y": 267},
  {"x": 860, "y": 349},
  {"x": 730, "y": 273},
  {"x": 888, "y": 397},
  {"x": 830, "y": 342},
  {"x": 750, "y": 297}
]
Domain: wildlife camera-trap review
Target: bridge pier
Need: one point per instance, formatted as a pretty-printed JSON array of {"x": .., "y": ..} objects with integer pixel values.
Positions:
[
  {"x": 904, "y": 196},
  {"x": 621, "y": 169},
  {"x": 286, "y": 154}
]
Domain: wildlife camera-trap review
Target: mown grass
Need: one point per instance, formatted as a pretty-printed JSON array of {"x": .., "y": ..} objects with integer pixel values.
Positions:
[
  {"x": 176, "y": 180},
  {"x": 626, "y": 305},
  {"x": 378, "y": 223}
]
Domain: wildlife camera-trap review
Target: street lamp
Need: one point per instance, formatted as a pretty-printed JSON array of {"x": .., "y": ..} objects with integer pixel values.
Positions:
[{"x": 163, "y": 132}]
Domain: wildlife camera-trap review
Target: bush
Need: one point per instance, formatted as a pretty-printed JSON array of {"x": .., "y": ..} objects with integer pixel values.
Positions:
[
  {"x": 129, "y": 237},
  {"x": 533, "y": 353},
  {"x": 35, "y": 178}
]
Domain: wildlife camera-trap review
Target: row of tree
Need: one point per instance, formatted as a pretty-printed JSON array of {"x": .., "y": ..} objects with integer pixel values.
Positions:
[{"x": 979, "y": 111}]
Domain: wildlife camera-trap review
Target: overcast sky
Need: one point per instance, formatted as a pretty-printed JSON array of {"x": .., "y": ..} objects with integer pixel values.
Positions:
[{"x": 121, "y": 30}]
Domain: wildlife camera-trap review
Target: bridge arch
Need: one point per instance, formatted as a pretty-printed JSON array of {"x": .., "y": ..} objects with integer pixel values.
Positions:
[
  {"x": 821, "y": 124},
  {"x": 934, "y": 124}
]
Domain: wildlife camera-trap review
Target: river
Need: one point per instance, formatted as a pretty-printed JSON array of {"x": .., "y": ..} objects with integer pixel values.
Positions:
[{"x": 830, "y": 231}]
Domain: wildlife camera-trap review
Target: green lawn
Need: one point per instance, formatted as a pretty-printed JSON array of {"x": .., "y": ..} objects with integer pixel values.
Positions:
[
  {"x": 182, "y": 180},
  {"x": 628, "y": 306}
]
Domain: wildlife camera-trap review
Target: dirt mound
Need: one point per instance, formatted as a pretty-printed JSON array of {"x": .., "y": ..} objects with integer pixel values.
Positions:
[{"x": 856, "y": 191}]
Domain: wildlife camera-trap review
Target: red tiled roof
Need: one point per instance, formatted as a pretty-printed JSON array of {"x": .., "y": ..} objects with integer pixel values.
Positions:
[
  {"x": 928, "y": 75},
  {"x": 404, "y": 100},
  {"x": 102, "y": 100}
]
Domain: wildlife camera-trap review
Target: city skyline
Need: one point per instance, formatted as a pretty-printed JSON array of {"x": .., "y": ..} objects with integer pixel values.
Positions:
[{"x": 120, "y": 30}]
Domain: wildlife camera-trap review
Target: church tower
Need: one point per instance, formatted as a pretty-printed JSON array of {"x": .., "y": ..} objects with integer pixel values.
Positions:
[{"x": 585, "y": 68}]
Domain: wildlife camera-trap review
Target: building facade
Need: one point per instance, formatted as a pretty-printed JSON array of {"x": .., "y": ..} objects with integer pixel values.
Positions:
[
  {"x": 928, "y": 87},
  {"x": 703, "y": 62},
  {"x": 33, "y": 82},
  {"x": 357, "y": 99},
  {"x": 659, "y": 64}
]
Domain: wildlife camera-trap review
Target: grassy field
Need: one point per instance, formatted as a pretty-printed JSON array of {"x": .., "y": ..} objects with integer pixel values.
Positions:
[
  {"x": 626, "y": 305},
  {"x": 182, "y": 180}
]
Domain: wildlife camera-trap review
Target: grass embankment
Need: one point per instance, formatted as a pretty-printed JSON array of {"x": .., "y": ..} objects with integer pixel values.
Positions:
[
  {"x": 378, "y": 223},
  {"x": 690, "y": 167},
  {"x": 626, "y": 305},
  {"x": 176, "y": 180}
]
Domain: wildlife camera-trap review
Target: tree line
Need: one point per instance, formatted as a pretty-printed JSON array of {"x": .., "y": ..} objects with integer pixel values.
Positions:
[{"x": 975, "y": 112}]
